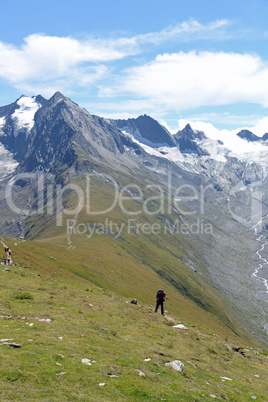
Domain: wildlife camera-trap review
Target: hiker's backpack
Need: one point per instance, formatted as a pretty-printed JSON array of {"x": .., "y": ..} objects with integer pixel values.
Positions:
[{"x": 160, "y": 295}]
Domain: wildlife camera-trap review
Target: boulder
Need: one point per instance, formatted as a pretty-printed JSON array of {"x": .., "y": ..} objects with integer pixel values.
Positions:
[
  {"x": 176, "y": 365},
  {"x": 226, "y": 379},
  {"x": 86, "y": 361},
  {"x": 141, "y": 374},
  {"x": 13, "y": 345},
  {"x": 180, "y": 326}
]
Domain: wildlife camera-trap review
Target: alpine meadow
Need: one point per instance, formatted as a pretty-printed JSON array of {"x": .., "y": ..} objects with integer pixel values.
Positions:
[{"x": 134, "y": 201}]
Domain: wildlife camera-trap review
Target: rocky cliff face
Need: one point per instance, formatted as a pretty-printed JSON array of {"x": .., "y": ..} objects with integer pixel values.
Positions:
[
  {"x": 45, "y": 134},
  {"x": 146, "y": 130},
  {"x": 186, "y": 140}
]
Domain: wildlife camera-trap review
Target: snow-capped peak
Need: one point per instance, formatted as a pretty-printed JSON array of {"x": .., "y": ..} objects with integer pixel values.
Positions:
[
  {"x": 222, "y": 142},
  {"x": 23, "y": 117}
]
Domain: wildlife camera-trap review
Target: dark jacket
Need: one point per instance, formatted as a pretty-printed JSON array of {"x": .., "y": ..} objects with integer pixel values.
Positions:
[{"x": 160, "y": 296}]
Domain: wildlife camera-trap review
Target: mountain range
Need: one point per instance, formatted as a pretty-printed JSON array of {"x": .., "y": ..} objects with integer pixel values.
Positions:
[{"x": 206, "y": 195}]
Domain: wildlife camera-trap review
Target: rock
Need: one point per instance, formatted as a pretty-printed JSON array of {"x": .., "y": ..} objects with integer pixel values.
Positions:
[
  {"x": 101, "y": 384},
  {"x": 257, "y": 375},
  {"x": 60, "y": 338},
  {"x": 86, "y": 361},
  {"x": 176, "y": 365},
  {"x": 61, "y": 372},
  {"x": 213, "y": 396},
  {"x": 6, "y": 340},
  {"x": 58, "y": 364},
  {"x": 13, "y": 345},
  {"x": 226, "y": 379},
  {"x": 253, "y": 397},
  {"x": 180, "y": 326},
  {"x": 141, "y": 374},
  {"x": 147, "y": 360},
  {"x": 45, "y": 320}
]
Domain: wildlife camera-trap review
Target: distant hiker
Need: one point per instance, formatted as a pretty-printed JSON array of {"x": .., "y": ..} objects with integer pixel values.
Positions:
[
  {"x": 134, "y": 301},
  {"x": 160, "y": 298}
]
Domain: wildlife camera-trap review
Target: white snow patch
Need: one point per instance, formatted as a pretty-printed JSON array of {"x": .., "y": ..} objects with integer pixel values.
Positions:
[
  {"x": 137, "y": 137},
  {"x": 2, "y": 122},
  {"x": 23, "y": 117},
  {"x": 7, "y": 163}
]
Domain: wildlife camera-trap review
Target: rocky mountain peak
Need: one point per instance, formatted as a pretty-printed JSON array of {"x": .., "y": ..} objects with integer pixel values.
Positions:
[
  {"x": 187, "y": 138},
  {"x": 40, "y": 99},
  {"x": 146, "y": 130},
  {"x": 57, "y": 97},
  {"x": 248, "y": 135},
  {"x": 188, "y": 133},
  {"x": 188, "y": 129}
]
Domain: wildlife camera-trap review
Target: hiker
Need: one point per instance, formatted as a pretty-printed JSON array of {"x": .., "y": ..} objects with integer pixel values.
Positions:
[{"x": 160, "y": 298}]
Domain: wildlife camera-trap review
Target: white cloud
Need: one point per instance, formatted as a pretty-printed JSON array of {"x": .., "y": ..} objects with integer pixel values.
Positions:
[
  {"x": 181, "y": 81},
  {"x": 187, "y": 30},
  {"x": 45, "y": 58},
  {"x": 227, "y": 119},
  {"x": 260, "y": 127}
]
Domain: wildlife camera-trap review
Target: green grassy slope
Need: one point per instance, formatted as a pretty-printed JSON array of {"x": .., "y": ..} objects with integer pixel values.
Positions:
[
  {"x": 133, "y": 262},
  {"x": 90, "y": 321}
]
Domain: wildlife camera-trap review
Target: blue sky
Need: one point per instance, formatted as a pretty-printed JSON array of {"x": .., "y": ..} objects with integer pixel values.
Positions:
[{"x": 174, "y": 60}]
